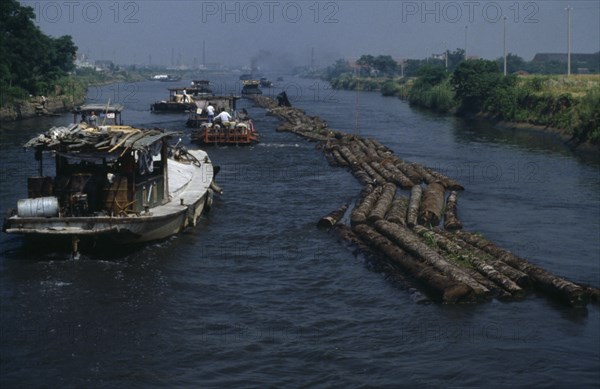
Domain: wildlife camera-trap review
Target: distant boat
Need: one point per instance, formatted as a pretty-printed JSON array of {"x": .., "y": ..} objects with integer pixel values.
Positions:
[
  {"x": 245, "y": 77},
  {"x": 165, "y": 78},
  {"x": 250, "y": 87},
  {"x": 265, "y": 83},
  {"x": 185, "y": 98}
]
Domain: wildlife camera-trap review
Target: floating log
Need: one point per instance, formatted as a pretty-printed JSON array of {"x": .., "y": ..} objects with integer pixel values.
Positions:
[
  {"x": 445, "y": 288},
  {"x": 432, "y": 205},
  {"x": 383, "y": 204},
  {"x": 372, "y": 173},
  {"x": 397, "y": 176},
  {"x": 423, "y": 172},
  {"x": 413, "y": 205},
  {"x": 409, "y": 171},
  {"x": 481, "y": 266},
  {"x": 333, "y": 217},
  {"x": 451, "y": 221},
  {"x": 516, "y": 275},
  {"x": 448, "y": 182},
  {"x": 361, "y": 211},
  {"x": 349, "y": 157},
  {"x": 337, "y": 157},
  {"x": 397, "y": 213},
  {"x": 410, "y": 242},
  {"x": 565, "y": 290}
]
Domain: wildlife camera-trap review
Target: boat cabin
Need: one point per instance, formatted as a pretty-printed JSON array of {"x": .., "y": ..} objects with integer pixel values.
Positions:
[
  {"x": 200, "y": 115},
  {"x": 98, "y": 114}
]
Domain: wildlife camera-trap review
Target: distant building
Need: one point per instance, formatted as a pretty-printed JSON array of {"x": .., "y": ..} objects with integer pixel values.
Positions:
[
  {"x": 104, "y": 64},
  {"x": 562, "y": 57}
]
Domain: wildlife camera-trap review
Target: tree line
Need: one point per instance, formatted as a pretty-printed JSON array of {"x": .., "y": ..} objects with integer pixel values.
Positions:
[{"x": 31, "y": 62}]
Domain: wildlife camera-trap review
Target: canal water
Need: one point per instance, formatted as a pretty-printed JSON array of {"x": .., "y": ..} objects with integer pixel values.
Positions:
[{"x": 257, "y": 296}]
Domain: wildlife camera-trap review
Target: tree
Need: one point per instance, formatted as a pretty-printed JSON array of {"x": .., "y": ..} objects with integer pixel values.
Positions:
[
  {"x": 31, "y": 60},
  {"x": 474, "y": 82}
]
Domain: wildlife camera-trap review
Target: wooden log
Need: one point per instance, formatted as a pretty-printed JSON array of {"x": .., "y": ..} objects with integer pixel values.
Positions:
[
  {"x": 410, "y": 242},
  {"x": 451, "y": 220},
  {"x": 337, "y": 157},
  {"x": 409, "y": 171},
  {"x": 397, "y": 213},
  {"x": 372, "y": 173},
  {"x": 445, "y": 288},
  {"x": 563, "y": 289},
  {"x": 349, "y": 157},
  {"x": 516, "y": 275},
  {"x": 424, "y": 173},
  {"x": 397, "y": 176},
  {"x": 413, "y": 205},
  {"x": 333, "y": 217},
  {"x": 383, "y": 204},
  {"x": 362, "y": 177},
  {"x": 386, "y": 174},
  {"x": 362, "y": 210},
  {"x": 448, "y": 182},
  {"x": 432, "y": 205},
  {"x": 481, "y": 266}
]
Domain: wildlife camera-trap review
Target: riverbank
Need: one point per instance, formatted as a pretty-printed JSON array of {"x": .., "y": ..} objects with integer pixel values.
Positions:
[
  {"x": 586, "y": 150},
  {"x": 565, "y": 106},
  {"x": 67, "y": 93}
]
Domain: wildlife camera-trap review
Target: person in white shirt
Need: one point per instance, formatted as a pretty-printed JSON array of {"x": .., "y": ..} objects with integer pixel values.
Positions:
[
  {"x": 210, "y": 110},
  {"x": 224, "y": 117}
]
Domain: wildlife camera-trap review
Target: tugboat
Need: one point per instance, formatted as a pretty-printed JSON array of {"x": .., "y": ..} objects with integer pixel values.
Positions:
[
  {"x": 239, "y": 131},
  {"x": 113, "y": 183},
  {"x": 250, "y": 87},
  {"x": 265, "y": 83},
  {"x": 183, "y": 99}
]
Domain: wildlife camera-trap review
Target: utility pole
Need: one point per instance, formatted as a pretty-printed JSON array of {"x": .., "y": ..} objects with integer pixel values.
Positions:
[
  {"x": 568, "y": 9},
  {"x": 446, "y": 54},
  {"x": 466, "y": 29},
  {"x": 505, "y": 46}
]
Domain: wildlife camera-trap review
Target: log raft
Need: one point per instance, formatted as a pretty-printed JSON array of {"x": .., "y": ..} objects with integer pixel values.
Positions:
[{"x": 452, "y": 265}]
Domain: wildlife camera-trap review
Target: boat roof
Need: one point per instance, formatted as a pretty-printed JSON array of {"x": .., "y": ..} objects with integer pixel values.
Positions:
[{"x": 99, "y": 141}]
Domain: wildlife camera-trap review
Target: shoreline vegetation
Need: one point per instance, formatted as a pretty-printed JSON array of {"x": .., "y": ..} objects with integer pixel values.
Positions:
[
  {"x": 66, "y": 93},
  {"x": 564, "y": 105}
]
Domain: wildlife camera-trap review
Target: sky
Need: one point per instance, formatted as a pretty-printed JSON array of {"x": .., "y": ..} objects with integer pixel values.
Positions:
[{"x": 283, "y": 33}]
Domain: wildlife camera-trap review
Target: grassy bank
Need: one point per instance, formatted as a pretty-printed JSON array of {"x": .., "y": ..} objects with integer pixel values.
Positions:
[{"x": 569, "y": 104}]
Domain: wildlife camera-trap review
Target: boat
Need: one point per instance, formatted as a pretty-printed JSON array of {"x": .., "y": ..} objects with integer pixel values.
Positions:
[
  {"x": 184, "y": 98},
  {"x": 200, "y": 115},
  {"x": 113, "y": 183},
  {"x": 265, "y": 83},
  {"x": 250, "y": 87},
  {"x": 240, "y": 131},
  {"x": 165, "y": 78}
]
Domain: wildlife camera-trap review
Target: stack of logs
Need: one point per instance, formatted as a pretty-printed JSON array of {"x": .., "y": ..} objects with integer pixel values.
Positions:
[{"x": 450, "y": 264}]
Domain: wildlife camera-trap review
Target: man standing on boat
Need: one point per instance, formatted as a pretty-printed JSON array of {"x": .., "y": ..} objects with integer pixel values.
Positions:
[
  {"x": 93, "y": 119},
  {"x": 210, "y": 110},
  {"x": 224, "y": 117}
]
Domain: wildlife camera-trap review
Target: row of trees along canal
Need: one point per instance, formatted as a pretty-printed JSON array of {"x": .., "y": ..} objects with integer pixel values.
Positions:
[
  {"x": 33, "y": 64},
  {"x": 479, "y": 87},
  {"x": 396, "y": 219}
]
